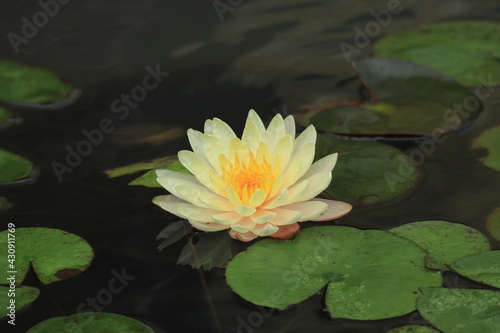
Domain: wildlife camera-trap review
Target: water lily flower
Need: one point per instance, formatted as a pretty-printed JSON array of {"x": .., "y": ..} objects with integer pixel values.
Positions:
[{"x": 259, "y": 185}]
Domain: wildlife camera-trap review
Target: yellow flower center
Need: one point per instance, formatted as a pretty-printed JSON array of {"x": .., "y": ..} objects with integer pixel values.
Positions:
[{"x": 246, "y": 178}]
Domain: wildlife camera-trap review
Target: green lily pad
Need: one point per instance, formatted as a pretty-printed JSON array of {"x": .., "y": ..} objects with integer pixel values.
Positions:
[
  {"x": 7, "y": 119},
  {"x": 14, "y": 167},
  {"x": 413, "y": 329},
  {"x": 461, "y": 310},
  {"x": 5, "y": 115},
  {"x": 445, "y": 242},
  {"x": 369, "y": 274},
  {"x": 463, "y": 50},
  {"x": 23, "y": 296},
  {"x": 406, "y": 99},
  {"x": 493, "y": 223},
  {"x": 91, "y": 322},
  {"x": 483, "y": 267},
  {"x": 489, "y": 140},
  {"x": 22, "y": 85},
  {"x": 367, "y": 172},
  {"x": 54, "y": 254}
]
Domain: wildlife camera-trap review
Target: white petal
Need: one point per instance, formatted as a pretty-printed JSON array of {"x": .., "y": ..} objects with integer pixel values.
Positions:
[
  {"x": 244, "y": 237},
  {"x": 283, "y": 150},
  {"x": 326, "y": 164},
  {"x": 275, "y": 131},
  {"x": 208, "y": 127},
  {"x": 222, "y": 131},
  {"x": 262, "y": 216},
  {"x": 317, "y": 184},
  {"x": 335, "y": 210},
  {"x": 170, "y": 203},
  {"x": 277, "y": 201},
  {"x": 305, "y": 138},
  {"x": 308, "y": 209},
  {"x": 251, "y": 136},
  {"x": 254, "y": 117},
  {"x": 244, "y": 210},
  {"x": 212, "y": 148},
  {"x": 257, "y": 198},
  {"x": 194, "y": 138},
  {"x": 227, "y": 218},
  {"x": 290, "y": 126},
  {"x": 194, "y": 213},
  {"x": 285, "y": 216},
  {"x": 245, "y": 225},
  {"x": 208, "y": 226},
  {"x": 190, "y": 189},
  {"x": 266, "y": 229}
]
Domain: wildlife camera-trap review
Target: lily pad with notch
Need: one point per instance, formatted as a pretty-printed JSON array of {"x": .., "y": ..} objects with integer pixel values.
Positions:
[
  {"x": 405, "y": 99},
  {"x": 483, "y": 267},
  {"x": 91, "y": 322},
  {"x": 367, "y": 172},
  {"x": 461, "y": 310},
  {"x": 445, "y": 242},
  {"x": 467, "y": 51},
  {"x": 368, "y": 274},
  {"x": 53, "y": 254}
]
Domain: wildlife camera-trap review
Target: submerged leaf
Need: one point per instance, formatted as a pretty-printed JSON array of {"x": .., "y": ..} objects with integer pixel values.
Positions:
[
  {"x": 370, "y": 274},
  {"x": 91, "y": 322},
  {"x": 489, "y": 140},
  {"x": 445, "y": 241},
  {"x": 483, "y": 267},
  {"x": 54, "y": 254},
  {"x": 23, "y": 297},
  {"x": 468, "y": 51},
  {"x": 211, "y": 250},
  {"x": 173, "y": 233},
  {"x": 367, "y": 172},
  {"x": 461, "y": 310}
]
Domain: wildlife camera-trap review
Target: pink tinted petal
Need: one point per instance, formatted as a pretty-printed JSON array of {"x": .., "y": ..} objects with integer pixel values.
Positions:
[
  {"x": 335, "y": 210},
  {"x": 286, "y": 231},
  {"x": 244, "y": 237}
]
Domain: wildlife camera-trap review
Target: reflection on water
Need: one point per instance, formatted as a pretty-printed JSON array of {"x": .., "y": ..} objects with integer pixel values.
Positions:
[{"x": 264, "y": 54}]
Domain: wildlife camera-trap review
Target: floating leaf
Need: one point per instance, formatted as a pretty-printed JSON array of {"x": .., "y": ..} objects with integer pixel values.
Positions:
[
  {"x": 445, "y": 242},
  {"x": 168, "y": 162},
  {"x": 483, "y": 267},
  {"x": 406, "y": 100},
  {"x": 7, "y": 119},
  {"x": 490, "y": 140},
  {"x": 413, "y": 329},
  {"x": 211, "y": 250},
  {"x": 493, "y": 223},
  {"x": 461, "y": 310},
  {"x": 91, "y": 322},
  {"x": 23, "y": 296},
  {"x": 464, "y": 50},
  {"x": 14, "y": 168},
  {"x": 54, "y": 254},
  {"x": 367, "y": 172},
  {"x": 173, "y": 233},
  {"x": 153, "y": 135},
  {"x": 24, "y": 86},
  {"x": 4, "y": 115},
  {"x": 370, "y": 274}
]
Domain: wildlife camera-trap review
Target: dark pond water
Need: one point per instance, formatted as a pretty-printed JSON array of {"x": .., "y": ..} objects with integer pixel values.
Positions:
[{"x": 263, "y": 54}]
